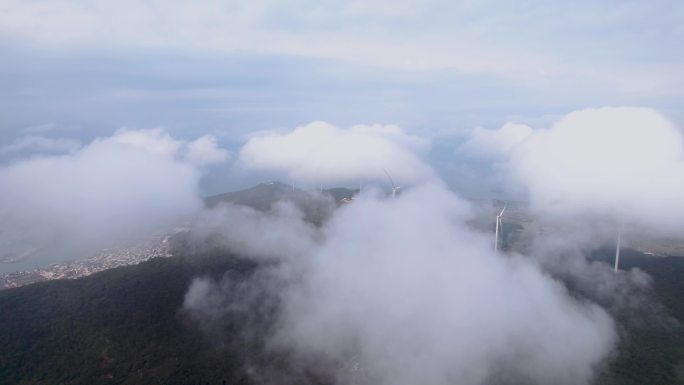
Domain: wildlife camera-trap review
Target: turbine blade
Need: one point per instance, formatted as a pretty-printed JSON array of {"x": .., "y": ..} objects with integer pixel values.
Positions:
[{"x": 390, "y": 179}]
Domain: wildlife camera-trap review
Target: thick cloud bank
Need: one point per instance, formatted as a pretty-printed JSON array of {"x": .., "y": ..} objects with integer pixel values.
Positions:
[
  {"x": 112, "y": 190},
  {"x": 403, "y": 291},
  {"x": 628, "y": 162},
  {"x": 624, "y": 163},
  {"x": 320, "y": 152}
]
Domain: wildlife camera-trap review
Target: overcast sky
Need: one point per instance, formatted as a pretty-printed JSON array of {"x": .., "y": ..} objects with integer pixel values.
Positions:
[{"x": 72, "y": 71}]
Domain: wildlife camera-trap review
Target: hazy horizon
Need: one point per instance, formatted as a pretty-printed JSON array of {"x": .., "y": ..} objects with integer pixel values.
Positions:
[{"x": 118, "y": 119}]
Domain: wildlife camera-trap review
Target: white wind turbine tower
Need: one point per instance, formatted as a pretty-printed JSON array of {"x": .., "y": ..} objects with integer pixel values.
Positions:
[
  {"x": 395, "y": 188},
  {"x": 498, "y": 226}
]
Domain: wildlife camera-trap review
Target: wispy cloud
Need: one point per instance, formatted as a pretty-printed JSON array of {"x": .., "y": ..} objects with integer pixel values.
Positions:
[
  {"x": 534, "y": 41},
  {"x": 34, "y": 144}
]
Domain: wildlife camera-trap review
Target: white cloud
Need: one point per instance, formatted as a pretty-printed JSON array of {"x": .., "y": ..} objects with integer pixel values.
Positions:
[
  {"x": 201, "y": 151},
  {"x": 623, "y": 162},
  {"x": 156, "y": 141},
  {"x": 204, "y": 150},
  {"x": 112, "y": 190},
  {"x": 320, "y": 152},
  {"x": 495, "y": 143}
]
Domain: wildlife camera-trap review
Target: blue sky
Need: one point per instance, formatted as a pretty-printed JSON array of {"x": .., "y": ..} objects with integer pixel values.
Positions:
[{"x": 76, "y": 70}]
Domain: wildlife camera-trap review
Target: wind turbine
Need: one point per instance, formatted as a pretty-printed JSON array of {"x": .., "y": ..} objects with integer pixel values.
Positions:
[
  {"x": 498, "y": 226},
  {"x": 617, "y": 248},
  {"x": 395, "y": 188}
]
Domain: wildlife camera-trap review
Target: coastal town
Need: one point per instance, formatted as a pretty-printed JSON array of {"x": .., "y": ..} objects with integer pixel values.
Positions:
[{"x": 156, "y": 247}]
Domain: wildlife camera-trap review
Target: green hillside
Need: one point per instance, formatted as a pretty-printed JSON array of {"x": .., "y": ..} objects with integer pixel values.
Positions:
[
  {"x": 264, "y": 195},
  {"x": 260, "y": 197},
  {"x": 121, "y": 326}
]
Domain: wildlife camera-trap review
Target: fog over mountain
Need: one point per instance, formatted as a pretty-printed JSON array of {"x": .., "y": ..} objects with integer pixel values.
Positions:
[
  {"x": 114, "y": 190},
  {"x": 403, "y": 290},
  {"x": 617, "y": 164},
  {"x": 389, "y": 290},
  {"x": 399, "y": 291},
  {"x": 356, "y": 192}
]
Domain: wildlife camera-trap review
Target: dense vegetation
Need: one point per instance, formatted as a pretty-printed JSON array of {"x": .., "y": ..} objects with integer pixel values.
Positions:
[
  {"x": 652, "y": 344},
  {"x": 120, "y": 326},
  {"x": 260, "y": 197},
  {"x": 264, "y": 195},
  {"x": 125, "y": 326}
]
